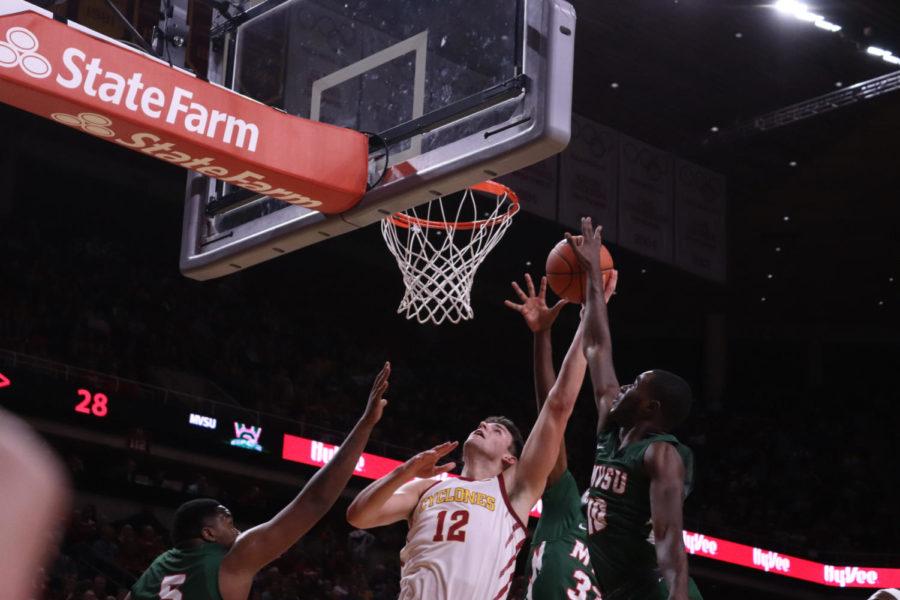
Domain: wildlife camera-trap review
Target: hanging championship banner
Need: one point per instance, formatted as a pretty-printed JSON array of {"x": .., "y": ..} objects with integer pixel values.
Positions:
[
  {"x": 590, "y": 177},
  {"x": 700, "y": 228},
  {"x": 86, "y": 81},
  {"x": 645, "y": 199}
]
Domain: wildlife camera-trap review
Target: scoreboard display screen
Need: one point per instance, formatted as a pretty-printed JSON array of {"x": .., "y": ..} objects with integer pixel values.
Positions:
[{"x": 118, "y": 407}]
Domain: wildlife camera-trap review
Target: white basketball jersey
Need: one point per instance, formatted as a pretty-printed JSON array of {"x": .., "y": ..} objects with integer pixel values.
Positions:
[{"x": 462, "y": 542}]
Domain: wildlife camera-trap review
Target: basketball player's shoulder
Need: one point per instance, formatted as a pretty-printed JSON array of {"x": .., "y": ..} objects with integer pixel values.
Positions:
[{"x": 421, "y": 486}]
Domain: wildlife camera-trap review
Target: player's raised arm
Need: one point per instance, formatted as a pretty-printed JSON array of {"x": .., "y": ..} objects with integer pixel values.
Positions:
[
  {"x": 666, "y": 470},
  {"x": 597, "y": 340},
  {"x": 393, "y": 497},
  {"x": 264, "y": 543},
  {"x": 536, "y": 463},
  {"x": 539, "y": 318}
]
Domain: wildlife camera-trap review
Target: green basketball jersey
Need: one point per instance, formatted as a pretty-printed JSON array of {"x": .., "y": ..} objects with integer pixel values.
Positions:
[
  {"x": 177, "y": 574},
  {"x": 560, "y": 561},
  {"x": 618, "y": 516}
]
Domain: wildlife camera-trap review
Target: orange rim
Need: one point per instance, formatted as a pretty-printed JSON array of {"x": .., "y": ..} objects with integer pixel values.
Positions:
[{"x": 487, "y": 187}]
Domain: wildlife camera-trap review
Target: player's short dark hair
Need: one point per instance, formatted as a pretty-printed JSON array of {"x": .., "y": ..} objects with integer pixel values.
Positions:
[
  {"x": 673, "y": 394},
  {"x": 190, "y": 518},
  {"x": 518, "y": 441}
]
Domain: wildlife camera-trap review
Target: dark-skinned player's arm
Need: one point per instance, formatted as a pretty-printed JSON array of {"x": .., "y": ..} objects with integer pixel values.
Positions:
[
  {"x": 597, "y": 340},
  {"x": 528, "y": 478},
  {"x": 539, "y": 319},
  {"x": 666, "y": 470},
  {"x": 393, "y": 497},
  {"x": 262, "y": 544}
]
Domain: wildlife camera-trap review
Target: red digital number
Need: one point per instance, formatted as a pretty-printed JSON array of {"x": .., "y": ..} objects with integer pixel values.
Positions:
[{"x": 92, "y": 404}]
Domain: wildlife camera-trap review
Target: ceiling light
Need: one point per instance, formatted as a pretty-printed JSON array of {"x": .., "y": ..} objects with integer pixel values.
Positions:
[
  {"x": 793, "y": 163},
  {"x": 785, "y": 218},
  {"x": 890, "y": 58},
  {"x": 714, "y": 129},
  {"x": 827, "y": 26},
  {"x": 769, "y": 276},
  {"x": 777, "y": 248},
  {"x": 738, "y": 35},
  {"x": 790, "y": 7},
  {"x": 876, "y": 51},
  {"x": 763, "y": 299},
  {"x": 881, "y": 303},
  {"x": 809, "y": 17},
  {"x": 614, "y": 85},
  {"x": 838, "y": 84}
]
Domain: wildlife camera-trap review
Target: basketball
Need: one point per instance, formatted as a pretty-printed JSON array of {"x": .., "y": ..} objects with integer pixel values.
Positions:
[{"x": 565, "y": 275}]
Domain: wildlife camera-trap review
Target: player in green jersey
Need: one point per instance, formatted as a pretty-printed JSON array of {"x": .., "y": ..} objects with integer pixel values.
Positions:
[
  {"x": 212, "y": 560},
  {"x": 641, "y": 472},
  {"x": 560, "y": 563}
]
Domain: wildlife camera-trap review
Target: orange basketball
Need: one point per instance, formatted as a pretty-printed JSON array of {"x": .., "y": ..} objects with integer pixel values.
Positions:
[{"x": 565, "y": 275}]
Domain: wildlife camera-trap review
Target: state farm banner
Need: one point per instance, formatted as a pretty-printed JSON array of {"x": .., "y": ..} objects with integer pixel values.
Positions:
[
  {"x": 645, "y": 199},
  {"x": 700, "y": 227},
  {"x": 87, "y": 81},
  {"x": 536, "y": 187},
  {"x": 589, "y": 175}
]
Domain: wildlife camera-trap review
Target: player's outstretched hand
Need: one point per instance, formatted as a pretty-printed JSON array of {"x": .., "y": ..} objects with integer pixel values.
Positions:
[
  {"x": 376, "y": 403},
  {"x": 424, "y": 464},
  {"x": 538, "y": 316},
  {"x": 609, "y": 285},
  {"x": 587, "y": 246}
]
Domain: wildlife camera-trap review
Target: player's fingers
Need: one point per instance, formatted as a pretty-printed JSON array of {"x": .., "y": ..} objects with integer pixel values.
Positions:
[
  {"x": 445, "y": 448},
  {"x": 530, "y": 284},
  {"x": 558, "y": 306},
  {"x": 543, "y": 290},
  {"x": 598, "y": 233},
  {"x": 514, "y": 306},
  {"x": 519, "y": 292},
  {"x": 613, "y": 280},
  {"x": 383, "y": 374},
  {"x": 587, "y": 226},
  {"x": 444, "y": 468}
]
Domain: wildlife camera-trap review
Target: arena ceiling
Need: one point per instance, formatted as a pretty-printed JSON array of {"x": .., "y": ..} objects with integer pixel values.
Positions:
[{"x": 669, "y": 71}]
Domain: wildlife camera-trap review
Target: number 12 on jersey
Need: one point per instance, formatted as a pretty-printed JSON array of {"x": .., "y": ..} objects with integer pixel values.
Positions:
[{"x": 455, "y": 532}]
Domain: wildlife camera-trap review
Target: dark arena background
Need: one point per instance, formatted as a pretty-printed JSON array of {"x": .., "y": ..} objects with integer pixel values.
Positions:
[{"x": 148, "y": 384}]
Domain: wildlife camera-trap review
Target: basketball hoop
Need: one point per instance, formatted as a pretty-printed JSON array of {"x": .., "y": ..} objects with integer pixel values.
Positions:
[{"x": 439, "y": 248}]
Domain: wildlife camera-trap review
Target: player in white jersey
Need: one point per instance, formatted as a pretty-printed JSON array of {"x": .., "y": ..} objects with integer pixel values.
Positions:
[{"x": 465, "y": 533}]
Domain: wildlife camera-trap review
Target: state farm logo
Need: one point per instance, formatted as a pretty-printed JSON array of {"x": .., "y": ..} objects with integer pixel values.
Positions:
[
  {"x": 20, "y": 50},
  {"x": 771, "y": 561},
  {"x": 158, "y": 100},
  {"x": 88, "y": 122}
]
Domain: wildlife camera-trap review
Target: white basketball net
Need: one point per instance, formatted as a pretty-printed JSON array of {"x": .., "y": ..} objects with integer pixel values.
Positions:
[{"x": 438, "y": 259}]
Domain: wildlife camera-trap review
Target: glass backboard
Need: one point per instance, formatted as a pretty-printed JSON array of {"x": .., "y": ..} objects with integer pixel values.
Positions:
[{"x": 457, "y": 91}]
